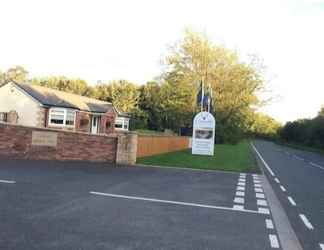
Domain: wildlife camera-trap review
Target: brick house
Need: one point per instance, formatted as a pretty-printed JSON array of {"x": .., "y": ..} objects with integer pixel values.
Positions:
[{"x": 38, "y": 106}]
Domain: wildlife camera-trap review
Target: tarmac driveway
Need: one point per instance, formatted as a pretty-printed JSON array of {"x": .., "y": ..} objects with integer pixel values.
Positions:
[{"x": 80, "y": 205}]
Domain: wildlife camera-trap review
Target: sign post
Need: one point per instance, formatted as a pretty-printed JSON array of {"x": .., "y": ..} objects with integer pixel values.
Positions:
[{"x": 203, "y": 138}]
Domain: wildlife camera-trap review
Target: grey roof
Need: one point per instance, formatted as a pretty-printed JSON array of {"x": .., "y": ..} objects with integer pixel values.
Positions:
[{"x": 56, "y": 98}]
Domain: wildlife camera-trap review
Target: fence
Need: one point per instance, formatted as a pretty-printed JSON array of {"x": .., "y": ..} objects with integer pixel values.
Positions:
[{"x": 148, "y": 145}]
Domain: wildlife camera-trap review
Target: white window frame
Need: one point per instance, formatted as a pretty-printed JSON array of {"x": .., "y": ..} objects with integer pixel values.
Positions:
[
  {"x": 64, "y": 117},
  {"x": 122, "y": 121}
]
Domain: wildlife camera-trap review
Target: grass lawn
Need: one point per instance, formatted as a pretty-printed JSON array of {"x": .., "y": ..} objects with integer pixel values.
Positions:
[{"x": 237, "y": 158}]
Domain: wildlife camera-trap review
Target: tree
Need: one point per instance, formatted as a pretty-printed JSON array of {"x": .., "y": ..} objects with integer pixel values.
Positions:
[
  {"x": 321, "y": 112},
  {"x": 123, "y": 94},
  {"x": 235, "y": 84},
  {"x": 17, "y": 73}
]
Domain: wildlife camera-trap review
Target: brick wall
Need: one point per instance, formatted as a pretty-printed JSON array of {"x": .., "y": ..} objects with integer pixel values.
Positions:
[
  {"x": 148, "y": 145},
  {"x": 16, "y": 143}
]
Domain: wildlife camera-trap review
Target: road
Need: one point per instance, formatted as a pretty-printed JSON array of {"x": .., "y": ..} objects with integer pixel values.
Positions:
[
  {"x": 297, "y": 177},
  {"x": 80, "y": 205}
]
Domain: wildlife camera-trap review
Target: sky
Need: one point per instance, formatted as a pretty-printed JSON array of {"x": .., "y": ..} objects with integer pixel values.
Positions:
[{"x": 105, "y": 40}]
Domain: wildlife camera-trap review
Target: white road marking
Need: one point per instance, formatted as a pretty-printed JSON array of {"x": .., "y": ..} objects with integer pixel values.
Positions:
[
  {"x": 316, "y": 165},
  {"x": 321, "y": 246},
  {"x": 262, "y": 203},
  {"x": 239, "y": 193},
  {"x": 306, "y": 222},
  {"x": 239, "y": 200},
  {"x": 238, "y": 207},
  {"x": 7, "y": 182},
  {"x": 255, "y": 175},
  {"x": 291, "y": 200},
  {"x": 274, "y": 241},
  {"x": 263, "y": 210},
  {"x": 298, "y": 158},
  {"x": 261, "y": 158},
  {"x": 277, "y": 180},
  {"x": 240, "y": 188},
  {"x": 257, "y": 185},
  {"x": 282, "y": 188},
  {"x": 241, "y": 184},
  {"x": 242, "y": 180},
  {"x": 256, "y": 182},
  {"x": 259, "y": 195},
  {"x": 269, "y": 224},
  {"x": 258, "y": 190},
  {"x": 172, "y": 202}
]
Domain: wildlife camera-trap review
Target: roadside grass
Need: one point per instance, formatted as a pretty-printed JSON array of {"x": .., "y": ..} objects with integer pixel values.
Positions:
[{"x": 237, "y": 158}]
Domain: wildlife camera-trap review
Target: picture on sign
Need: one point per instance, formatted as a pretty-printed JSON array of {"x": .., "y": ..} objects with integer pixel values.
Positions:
[{"x": 203, "y": 134}]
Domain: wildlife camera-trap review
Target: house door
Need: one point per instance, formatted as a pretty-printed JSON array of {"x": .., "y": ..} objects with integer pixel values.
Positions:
[{"x": 95, "y": 124}]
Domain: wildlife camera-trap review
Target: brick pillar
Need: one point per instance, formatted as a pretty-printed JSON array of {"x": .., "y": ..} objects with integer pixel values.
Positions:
[{"x": 126, "y": 148}]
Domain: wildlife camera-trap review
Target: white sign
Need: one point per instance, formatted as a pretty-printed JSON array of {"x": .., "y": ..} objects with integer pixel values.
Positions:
[{"x": 203, "y": 138}]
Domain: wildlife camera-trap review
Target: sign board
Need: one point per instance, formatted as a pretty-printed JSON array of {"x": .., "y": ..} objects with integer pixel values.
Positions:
[
  {"x": 40, "y": 138},
  {"x": 203, "y": 138}
]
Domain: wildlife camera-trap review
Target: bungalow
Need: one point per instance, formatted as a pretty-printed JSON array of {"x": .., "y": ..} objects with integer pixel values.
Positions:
[{"x": 44, "y": 107}]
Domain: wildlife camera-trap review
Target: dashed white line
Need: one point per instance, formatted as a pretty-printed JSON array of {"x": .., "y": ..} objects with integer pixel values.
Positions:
[
  {"x": 316, "y": 165},
  {"x": 259, "y": 195},
  {"x": 240, "y": 188},
  {"x": 263, "y": 210},
  {"x": 241, "y": 184},
  {"x": 242, "y": 180},
  {"x": 291, "y": 200},
  {"x": 239, "y": 193},
  {"x": 7, "y": 182},
  {"x": 256, "y": 182},
  {"x": 277, "y": 180},
  {"x": 306, "y": 222},
  {"x": 269, "y": 224},
  {"x": 321, "y": 246},
  {"x": 172, "y": 202},
  {"x": 258, "y": 190},
  {"x": 282, "y": 188},
  {"x": 239, "y": 200},
  {"x": 238, "y": 207},
  {"x": 274, "y": 241},
  {"x": 258, "y": 185},
  {"x": 262, "y": 203},
  {"x": 298, "y": 158}
]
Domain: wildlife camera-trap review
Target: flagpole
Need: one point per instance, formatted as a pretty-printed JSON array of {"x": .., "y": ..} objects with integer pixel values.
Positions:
[{"x": 202, "y": 96}]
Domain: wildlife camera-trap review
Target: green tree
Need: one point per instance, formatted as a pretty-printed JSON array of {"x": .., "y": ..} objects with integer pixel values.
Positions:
[
  {"x": 235, "y": 84},
  {"x": 17, "y": 73}
]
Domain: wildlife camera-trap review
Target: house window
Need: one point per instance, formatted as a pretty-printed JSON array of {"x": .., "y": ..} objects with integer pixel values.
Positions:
[
  {"x": 122, "y": 123},
  {"x": 61, "y": 117}
]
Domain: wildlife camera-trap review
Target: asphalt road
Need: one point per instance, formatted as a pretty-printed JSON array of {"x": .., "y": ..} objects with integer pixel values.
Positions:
[
  {"x": 74, "y": 205},
  {"x": 297, "y": 177}
]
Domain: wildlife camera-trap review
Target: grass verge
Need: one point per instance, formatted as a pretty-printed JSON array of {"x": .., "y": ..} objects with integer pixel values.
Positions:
[{"x": 237, "y": 158}]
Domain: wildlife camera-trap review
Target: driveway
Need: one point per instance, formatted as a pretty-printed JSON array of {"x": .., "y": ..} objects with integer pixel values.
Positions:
[
  {"x": 297, "y": 177},
  {"x": 80, "y": 205}
]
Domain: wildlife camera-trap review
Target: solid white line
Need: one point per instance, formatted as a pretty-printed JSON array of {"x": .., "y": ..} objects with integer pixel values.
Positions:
[
  {"x": 306, "y": 222},
  {"x": 316, "y": 165},
  {"x": 282, "y": 188},
  {"x": 173, "y": 202},
  {"x": 277, "y": 180},
  {"x": 298, "y": 158},
  {"x": 321, "y": 246},
  {"x": 7, "y": 182},
  {"x": 265, "y": 164},
  {"x": 274, "y": 241},
  {"x": 269, "y": 224},
  {"x": 292, "y": 202}
]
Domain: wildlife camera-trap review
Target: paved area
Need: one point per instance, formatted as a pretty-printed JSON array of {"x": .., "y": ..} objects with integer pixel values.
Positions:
[
  {"x": 297, "y": 177},
  {"x": 73, "y": 205}
]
